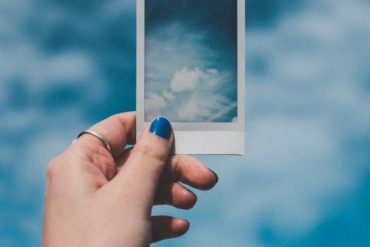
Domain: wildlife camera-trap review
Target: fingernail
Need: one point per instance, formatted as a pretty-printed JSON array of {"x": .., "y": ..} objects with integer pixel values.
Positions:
[
  {"x": 195, "y": 195},
  {"x": 214, "y": 174},
  {"x": 161, "y": 127}
]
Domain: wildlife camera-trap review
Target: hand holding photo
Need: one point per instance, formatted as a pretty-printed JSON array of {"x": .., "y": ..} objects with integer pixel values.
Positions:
[{"x": 191, "y": 59}]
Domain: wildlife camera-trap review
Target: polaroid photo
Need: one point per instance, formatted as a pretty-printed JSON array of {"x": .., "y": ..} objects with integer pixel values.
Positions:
[{"x": 191, "y": 70}]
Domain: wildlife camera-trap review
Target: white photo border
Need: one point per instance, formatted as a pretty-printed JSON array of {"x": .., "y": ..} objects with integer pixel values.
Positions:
[{"x": 198, "y": 137}]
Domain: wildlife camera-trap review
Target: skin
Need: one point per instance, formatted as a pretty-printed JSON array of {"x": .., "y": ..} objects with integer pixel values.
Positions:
[{"x": 95, "y": 198}]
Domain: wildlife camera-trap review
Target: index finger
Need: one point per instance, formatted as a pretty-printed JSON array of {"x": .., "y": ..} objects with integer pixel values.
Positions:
[{"x": 118, "y": 130}]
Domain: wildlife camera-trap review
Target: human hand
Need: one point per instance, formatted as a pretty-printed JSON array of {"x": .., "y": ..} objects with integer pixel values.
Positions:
[{"x": 97, "y": 198}]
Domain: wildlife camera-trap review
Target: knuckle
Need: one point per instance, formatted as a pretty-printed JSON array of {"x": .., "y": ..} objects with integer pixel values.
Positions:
[
  {"x": 54, "y": 167},
  {"x": 51, "y": 168}
]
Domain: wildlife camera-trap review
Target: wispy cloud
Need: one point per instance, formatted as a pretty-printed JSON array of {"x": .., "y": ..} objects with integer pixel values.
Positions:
[
  {"x": 193, "y": 96},
  {"x": 190, "y": 71},
  {"x": 189, "y": 80}
]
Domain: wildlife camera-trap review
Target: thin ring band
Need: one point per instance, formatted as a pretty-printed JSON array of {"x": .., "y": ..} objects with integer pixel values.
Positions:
[{"x": 97, "y": 135}]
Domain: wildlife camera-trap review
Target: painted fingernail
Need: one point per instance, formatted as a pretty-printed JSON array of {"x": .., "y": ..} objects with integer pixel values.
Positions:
[
  {"x": 195, "y": 195},
  {"x": 161, "y": 127},
  {"x": 214, "y": 174}
]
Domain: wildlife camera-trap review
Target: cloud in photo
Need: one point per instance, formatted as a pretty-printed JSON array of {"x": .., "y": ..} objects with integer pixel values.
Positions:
[
  {"x": 189, "y": 60},
  {"x": 185, "y": 80},
  {"x": 186, "y": 101},
  {"x": 189, "y": 80}
]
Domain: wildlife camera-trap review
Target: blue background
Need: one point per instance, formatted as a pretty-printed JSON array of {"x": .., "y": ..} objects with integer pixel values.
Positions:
[{"x": 306, "y": 179}]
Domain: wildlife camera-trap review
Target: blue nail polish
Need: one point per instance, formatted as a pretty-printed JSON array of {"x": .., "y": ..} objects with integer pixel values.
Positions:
[
  {"x": 161, "y": 127},
  {"x": 215, "y": 174}
]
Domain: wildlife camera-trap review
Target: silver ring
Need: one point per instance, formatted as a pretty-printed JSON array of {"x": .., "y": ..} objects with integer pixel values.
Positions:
[{"x": 97, "y": 135}]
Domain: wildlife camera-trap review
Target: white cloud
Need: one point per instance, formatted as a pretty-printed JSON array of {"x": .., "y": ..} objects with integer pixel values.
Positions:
[
  {"x": 201, "y": 99},
  {"x": 195, "y": 109},
  {"x": 192, "y": 107},
  {"x": 185, "y": 80},
  {"x": 212, "y": 77},
  {"x": 154, "y": 104},
  {"x": 205, "y": 109},
  {"x": 168, "y": 95}
]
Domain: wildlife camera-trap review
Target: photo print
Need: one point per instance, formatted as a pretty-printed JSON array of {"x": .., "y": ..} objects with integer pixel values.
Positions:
[{"x": 191, "y": 64}]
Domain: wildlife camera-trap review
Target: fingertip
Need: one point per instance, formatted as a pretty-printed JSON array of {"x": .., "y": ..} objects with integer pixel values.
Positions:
[
  {"x": 155, "y": 140},
  {"x": 209, "y": 179},
  {"x": 166, "y": 227},
  {"x": 215, "y": 177},
  {"x": 190, "y": 199},
  {"x": 176, "y": 195},
  {"x": 180, "y": 227},
  {"x": 191, "y": 171},
  {"x": 161, "y": 127}
]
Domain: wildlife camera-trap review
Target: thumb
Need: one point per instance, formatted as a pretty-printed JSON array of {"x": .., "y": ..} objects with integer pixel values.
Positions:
[{"x": 141, "y": 172}]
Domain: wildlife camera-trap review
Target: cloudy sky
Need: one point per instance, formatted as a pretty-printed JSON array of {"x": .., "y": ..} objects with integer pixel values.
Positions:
[
  {"x": 305, "y": 180},
  {"x": 191, "y": 60}
]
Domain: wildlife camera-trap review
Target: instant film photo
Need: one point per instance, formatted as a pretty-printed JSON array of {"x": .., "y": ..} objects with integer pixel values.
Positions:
[{"x": 191, "y": 70}]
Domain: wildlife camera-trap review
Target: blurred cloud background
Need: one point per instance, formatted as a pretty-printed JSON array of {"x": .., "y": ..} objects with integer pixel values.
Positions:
[{"x": 306, "y": 179}]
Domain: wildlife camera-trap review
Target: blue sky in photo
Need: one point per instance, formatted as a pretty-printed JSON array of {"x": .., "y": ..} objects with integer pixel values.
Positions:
[
  {"x": 305, "y": 180},
  {"x": 191, "y": 60}
]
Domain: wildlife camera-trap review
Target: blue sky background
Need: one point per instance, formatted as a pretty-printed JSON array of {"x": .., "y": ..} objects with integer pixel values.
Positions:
[
  {"x": 306, "y": 178},
  {"x": 191, "y": 60}
]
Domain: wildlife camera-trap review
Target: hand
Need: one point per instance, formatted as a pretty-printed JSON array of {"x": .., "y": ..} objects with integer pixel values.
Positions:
[{"x": 97, "y": 198}]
